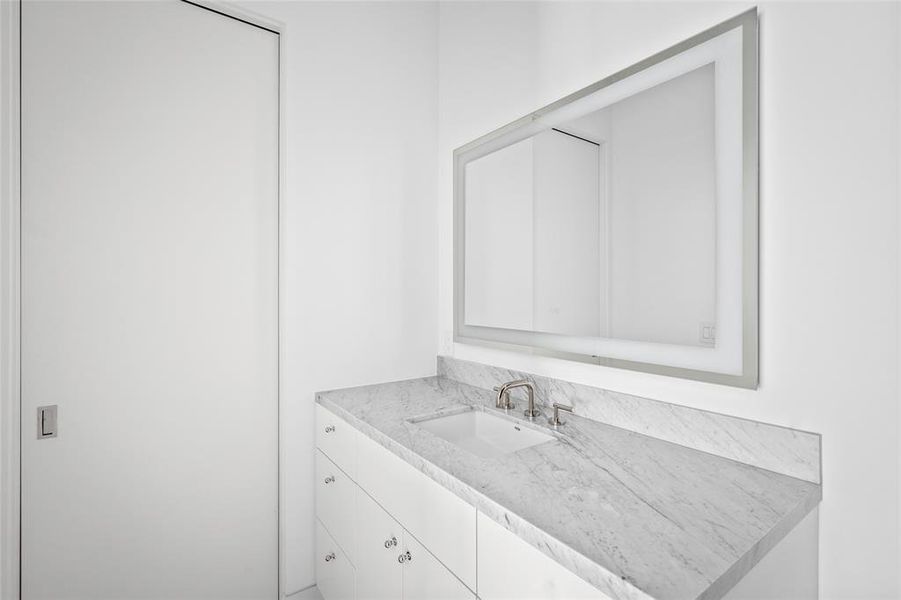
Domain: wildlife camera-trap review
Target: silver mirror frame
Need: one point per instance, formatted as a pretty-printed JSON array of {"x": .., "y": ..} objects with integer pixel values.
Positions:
[{"x": 540, "y": 343}]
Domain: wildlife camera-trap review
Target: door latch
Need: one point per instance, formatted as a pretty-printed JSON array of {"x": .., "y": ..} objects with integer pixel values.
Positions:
[{"x": 47, "y": 422}]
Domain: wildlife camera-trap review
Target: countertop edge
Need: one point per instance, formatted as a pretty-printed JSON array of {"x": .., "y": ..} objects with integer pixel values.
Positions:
[{"x": 749, "y": 559}]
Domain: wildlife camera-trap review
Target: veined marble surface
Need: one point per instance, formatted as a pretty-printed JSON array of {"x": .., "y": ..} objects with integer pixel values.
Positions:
[
  {"x": 781, "y": 449},
  {"x": 636, "y": 516}
]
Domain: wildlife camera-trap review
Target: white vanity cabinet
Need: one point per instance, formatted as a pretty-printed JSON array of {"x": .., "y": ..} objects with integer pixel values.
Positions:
[
  {"x": 435, "y": 516},
  {"x": 387, "y": 531},
  {"x": 394, "y": 523},
  {"x": 393, "y": 565}
]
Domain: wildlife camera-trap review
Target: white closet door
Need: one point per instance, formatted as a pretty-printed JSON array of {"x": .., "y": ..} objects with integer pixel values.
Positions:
[{"x": 149, "y": 302}]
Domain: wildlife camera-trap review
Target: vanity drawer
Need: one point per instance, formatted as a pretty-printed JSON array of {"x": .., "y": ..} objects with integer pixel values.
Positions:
[
  {"x": 510, "y": 569},
  {"x": 337, "y": 440},
  {"x": 444, "y": 523},
  {"x": 335, "y": 500},
  {"x": 335, "y": 576}
]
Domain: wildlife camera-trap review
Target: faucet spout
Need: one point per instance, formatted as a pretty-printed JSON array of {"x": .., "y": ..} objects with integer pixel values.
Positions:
[{"x": 503, "y": 396}]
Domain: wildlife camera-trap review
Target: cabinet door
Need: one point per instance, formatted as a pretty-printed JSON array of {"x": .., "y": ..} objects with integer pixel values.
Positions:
[
  {"x": 511, "y": 569},
  {"x": 414, "y": 500},
  {"x": 427, "y": 579},
  {"x": 334, "y": 573},
  {"x": 335, "y": 502},
  {"x": 379, "y": 543}
]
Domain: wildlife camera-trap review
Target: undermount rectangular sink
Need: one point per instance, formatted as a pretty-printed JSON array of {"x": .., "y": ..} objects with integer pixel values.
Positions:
[{"x": 482, "y": 433}]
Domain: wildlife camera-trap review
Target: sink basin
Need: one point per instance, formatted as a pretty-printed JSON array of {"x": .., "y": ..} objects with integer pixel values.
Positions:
[{"x": 482, "y": 433}]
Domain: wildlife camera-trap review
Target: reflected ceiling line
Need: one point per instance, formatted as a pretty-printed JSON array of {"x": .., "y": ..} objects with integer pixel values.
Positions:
[{"x": 575, "y": 136}]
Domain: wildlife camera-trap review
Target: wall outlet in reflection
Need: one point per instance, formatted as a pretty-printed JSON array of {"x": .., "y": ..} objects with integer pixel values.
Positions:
[{"x": 707, "y": 334}]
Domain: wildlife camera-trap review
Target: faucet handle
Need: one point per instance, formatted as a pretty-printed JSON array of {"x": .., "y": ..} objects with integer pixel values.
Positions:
[
  {"x": 555, "y": 420},
  {"x": 503, "y": 400}
]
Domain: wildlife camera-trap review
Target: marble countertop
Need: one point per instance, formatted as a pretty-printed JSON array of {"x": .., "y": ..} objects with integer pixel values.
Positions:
[{"x": 633, "y": 515}]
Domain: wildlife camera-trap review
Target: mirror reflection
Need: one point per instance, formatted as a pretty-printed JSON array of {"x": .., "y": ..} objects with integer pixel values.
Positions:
[{"x": 603, "y": 226}]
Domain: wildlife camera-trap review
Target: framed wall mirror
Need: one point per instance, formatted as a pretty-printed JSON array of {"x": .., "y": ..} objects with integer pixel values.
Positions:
[{"x": 618, "y": 225}]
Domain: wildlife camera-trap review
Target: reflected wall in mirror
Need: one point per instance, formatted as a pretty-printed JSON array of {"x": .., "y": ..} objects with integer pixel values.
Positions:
[
  {"x": 619, "y": 224},
  {"x": 609, "y": 222}
]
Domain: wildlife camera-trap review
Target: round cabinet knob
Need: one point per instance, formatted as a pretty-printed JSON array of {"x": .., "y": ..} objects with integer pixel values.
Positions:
[
  {"x": 330, "y": 429},
  {"x": 330, "y": 557},
  {"x": 391, "y": 542},
  {"x": 405, "y": 557},
  {"x": 330, "y": 479}
]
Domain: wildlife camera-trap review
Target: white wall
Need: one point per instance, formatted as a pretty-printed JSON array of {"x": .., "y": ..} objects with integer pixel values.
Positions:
[
  {"x": 829, "y": 225},
  {"x": 359, "y": 297}
]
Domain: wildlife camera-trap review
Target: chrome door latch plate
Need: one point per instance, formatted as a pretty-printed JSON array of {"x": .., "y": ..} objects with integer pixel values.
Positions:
[{"x": 47, "y": 422}]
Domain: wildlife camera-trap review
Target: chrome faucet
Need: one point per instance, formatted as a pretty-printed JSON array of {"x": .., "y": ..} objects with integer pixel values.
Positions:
[
  {"x": 503, "y": 396},
  {"x": 503, "y": 400}
]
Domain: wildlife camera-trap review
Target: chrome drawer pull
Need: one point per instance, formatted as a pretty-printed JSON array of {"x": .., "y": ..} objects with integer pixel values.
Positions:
[
  {"x": 330, "y": 557},
  {"x": 330, "y": 479},
  {"x": 391, "y": 542},
  {"x": 330, "y": 429},
  {"x": 405, "y": 557}
]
